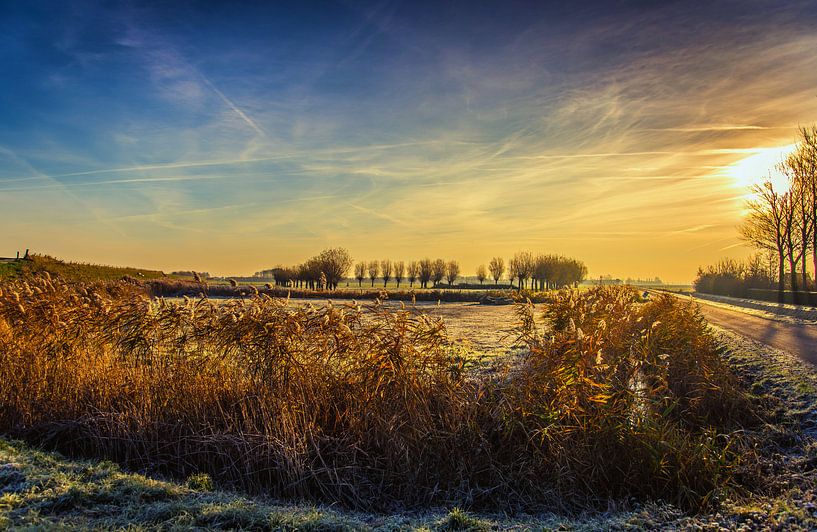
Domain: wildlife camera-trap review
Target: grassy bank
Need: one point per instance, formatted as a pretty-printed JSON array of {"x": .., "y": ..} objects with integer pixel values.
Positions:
[
  {"x": 368, "y": 407},
  {"x": 72, "y": 271},
  {"x": 44, "y": 491}
]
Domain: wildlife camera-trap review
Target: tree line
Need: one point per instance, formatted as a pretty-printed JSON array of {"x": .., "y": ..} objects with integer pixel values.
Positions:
[
  {"x": 323, "y": 271},
  {"x": 545, "y": 272},
  {"x": 735, "y": 278},
  {"x": 524, "y": 270},
  {"x": 782, "y": 222},
  {"x": 422, "y": 272}
]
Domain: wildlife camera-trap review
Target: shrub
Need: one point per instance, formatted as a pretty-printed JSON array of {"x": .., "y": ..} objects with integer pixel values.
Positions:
[{"x": 732, "y": 278}]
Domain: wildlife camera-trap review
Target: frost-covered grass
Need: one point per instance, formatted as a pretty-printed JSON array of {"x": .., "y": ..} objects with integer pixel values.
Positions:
[{"x": 41, "y": 490}]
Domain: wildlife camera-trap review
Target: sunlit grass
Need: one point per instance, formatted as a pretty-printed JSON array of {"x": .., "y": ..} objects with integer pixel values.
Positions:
[{"x": 369, "y": 406}]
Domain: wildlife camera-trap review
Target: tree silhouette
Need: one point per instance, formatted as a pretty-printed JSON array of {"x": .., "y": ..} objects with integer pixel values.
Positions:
[{"x": 497, "y": 268}]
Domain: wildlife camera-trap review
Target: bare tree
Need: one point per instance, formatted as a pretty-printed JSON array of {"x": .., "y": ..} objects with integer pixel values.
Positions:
[
  {"x": 521, "y": 267},
  {"x": 334, "y": 264},
  {"x": 399, "y": 272},
  {"x": 374, "y": 270},
  {"x": 360, "y": 273},
  {"x": 802, "y": 225},
  {"x": 426, "y": 271},
  {"x": 452, "y": 271},
  {"x": 540, "y": 275},
  {"x": 385, "y": 271},
  {"x": 413, "y": 272},
  {"x": 802, "y": 173},
  {"x": 807, "y": 152},
  {"x": 790, "y": 220},
  {"x": 766, "y": 225},
  {"x": 785, "y": 222},
  {"x": 482, "y": 274},
  {"x": 438, "y": 271},
  {"x": 497, "y": 268},
  {"x": 311, "y": 272}
]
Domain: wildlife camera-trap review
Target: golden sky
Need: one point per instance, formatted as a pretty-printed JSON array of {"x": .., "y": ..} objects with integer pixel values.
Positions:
[{"x": 625, "y": 137}]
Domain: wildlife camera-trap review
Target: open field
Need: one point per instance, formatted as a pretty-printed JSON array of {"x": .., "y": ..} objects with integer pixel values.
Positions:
[
  {"x": 482, "y": 330},
  {"x": 304, "y": 400}
]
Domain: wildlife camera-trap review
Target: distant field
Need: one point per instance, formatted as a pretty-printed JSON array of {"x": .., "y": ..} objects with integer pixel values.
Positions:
[
  {"x": 484, "y": 330},
  {"x": 681, "y": 288}
]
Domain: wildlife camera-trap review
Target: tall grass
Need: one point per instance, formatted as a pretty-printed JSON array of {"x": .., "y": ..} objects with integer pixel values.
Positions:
[{"x": 368, "y": 406}]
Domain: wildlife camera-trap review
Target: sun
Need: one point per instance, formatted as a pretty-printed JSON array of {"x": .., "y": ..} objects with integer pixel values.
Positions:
[{"x": 759, "y": 166}]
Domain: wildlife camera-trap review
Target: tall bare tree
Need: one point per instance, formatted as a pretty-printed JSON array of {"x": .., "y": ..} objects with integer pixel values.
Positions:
[
  {"x": 482, "y": 273},
  {"x": 438, "y": 271},
  {"x": 452, "y": 271},
  {"x": 497, "y": 268},
  {"x": 385, "y": 271},
  {"x": 426, "y": 271},
  {"x": 800, "y": 192},
  {"x": 521, "y": 267},
  {"x": 374, "y": 270},
  {"x": 808, "y": 153},
  {"x": 793, "y": 251},
  {"x": 413, "y": 272},
  {"x": 399, "y": 272},
  {"x": 801, "y": 168},
  {"x": 360, "y": 273},
  {"x": 766, "y": 225},
  {"x": 785, "y": 222}
]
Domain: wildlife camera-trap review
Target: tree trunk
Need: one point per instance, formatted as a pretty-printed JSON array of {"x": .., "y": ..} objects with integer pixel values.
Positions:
[
  {"x": 781, "y": 277},
  {"x": 793, "y": 273},
  {"x": 814, "y": 260}
]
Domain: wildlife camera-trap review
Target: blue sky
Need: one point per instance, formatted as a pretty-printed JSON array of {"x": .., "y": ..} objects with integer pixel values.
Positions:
[{"x": 233, "y": 136}]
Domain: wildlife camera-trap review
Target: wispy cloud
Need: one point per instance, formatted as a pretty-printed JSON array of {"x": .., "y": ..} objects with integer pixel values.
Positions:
[
  {"x": 249, "y": 121},
  {"x": 700, "y": 129},
  {"x": 466, "y": 134}
]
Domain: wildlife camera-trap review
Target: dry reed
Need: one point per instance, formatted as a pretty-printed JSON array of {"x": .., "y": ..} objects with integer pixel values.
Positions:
[{"x": 369, "y": 406}]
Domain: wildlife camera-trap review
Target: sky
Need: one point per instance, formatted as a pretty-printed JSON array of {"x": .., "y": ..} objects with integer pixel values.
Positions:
[{"x": 229, "y": 137}]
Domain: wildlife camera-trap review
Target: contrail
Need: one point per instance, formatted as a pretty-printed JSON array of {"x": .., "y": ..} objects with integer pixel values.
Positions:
[
  {"x": 221, "y": 162},
  {"x": 234, "y": 107},
  {"x": 164, "y": 166}
]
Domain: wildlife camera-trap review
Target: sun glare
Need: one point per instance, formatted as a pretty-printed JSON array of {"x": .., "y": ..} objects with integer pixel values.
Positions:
[{"x": 759, "y": 166}]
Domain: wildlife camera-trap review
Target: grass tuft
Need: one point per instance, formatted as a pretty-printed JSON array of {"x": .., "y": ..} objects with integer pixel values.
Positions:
[
  {"x": 460, "y": 520},
  {"x": 200, "y": 482}
]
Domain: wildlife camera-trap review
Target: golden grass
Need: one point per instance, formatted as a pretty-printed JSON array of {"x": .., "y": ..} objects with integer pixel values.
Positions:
[{"x": 368, "y": 406}]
